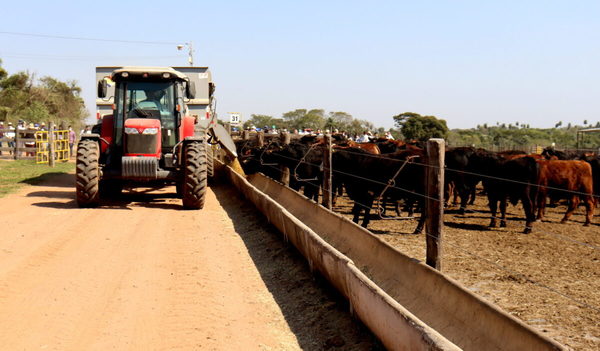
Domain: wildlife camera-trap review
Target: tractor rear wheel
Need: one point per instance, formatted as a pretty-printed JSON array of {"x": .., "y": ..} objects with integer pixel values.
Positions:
[
  {"x": 87, "y": 173},
  {"x": 195, "y": 174}
]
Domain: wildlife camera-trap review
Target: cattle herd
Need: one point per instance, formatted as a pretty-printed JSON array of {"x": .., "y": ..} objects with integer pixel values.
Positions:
[{"x": 383, "y": 173}]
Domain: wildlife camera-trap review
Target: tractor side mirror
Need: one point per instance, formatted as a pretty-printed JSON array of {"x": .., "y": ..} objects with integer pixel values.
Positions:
[
  {"x": 190, "y": 90},
  {"x": 102, "y": 88}
]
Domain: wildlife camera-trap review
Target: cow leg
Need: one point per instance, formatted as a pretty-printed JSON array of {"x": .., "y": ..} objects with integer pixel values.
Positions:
[
  {"x": 367, "y": 208},
  {"x": 493, "y": 208},
  {"x": 529, "y": 214},
  {"x": 447, "y": 192},
  {"x": 541, "y": 205},
  {"x": 356, "y": 212},
  {"x": 464, "y": 198},
  {"x": 410, "y": 207},
  {"x": 455, "y": 195},
  {"x": 473, "y": 196},
  {"x": 573, "y": 203},
  {"x": 589, "y": 210},
  {"x": 503, "y": 213},
  {"x": 422, "y": 219}
]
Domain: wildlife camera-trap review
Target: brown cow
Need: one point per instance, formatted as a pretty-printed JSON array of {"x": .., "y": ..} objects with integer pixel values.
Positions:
[
  {"x": 574, "y": 177},
  {"x": 371, "y": 148}
]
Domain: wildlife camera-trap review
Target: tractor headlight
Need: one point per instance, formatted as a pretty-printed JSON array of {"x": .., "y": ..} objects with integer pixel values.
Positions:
[
  {"x": 151, "y": 131},
  {"x": 131, "y": 131}
]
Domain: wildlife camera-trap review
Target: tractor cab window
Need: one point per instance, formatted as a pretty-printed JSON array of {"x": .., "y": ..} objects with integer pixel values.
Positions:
[{"x": 149, "y": 100}]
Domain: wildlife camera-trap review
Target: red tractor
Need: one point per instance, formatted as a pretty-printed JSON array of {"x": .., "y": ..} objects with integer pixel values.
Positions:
[{"x": 152, "y": 137}]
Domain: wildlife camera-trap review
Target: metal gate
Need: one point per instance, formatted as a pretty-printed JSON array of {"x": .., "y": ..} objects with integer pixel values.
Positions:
[{"x": 60, "y": 143}]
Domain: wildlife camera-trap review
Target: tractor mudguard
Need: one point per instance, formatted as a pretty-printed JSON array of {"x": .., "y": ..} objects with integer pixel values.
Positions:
[
  {"x": 219, "y": 133},
  {"x": 91, "y": 136}
]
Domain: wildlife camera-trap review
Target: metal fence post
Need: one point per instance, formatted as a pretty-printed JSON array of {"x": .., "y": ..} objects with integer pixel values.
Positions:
[
  {"x": 327, "y": 188},
  {"x": 434, "y": 226}
]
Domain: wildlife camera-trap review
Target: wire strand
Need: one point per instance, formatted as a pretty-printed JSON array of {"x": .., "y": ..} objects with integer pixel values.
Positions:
[
  {"x": 381, "y": 156},
  {"x": 564, "y": 238},
  {"x": 498, "y": 266},
  {"x": 89, "y": 39}
]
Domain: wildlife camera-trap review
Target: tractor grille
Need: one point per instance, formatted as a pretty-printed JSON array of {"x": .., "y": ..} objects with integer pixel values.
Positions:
[
  {"x": 134, "y": 167},
  {"x": 145, "y": 144}
]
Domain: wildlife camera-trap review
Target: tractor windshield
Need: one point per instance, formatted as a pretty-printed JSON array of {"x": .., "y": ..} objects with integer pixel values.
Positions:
[{"x": 148, "y": 100}]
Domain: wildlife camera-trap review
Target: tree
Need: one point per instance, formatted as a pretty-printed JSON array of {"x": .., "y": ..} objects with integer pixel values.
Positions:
[
  {"x": 259, "y": 121},
  {"x": 302, "y": 118},
  {"x": 339, "y": 120},
  {"x": 416, "y": 127},
  {"x": 24, "y": 97},
  {"x": 3, "y": 72}
]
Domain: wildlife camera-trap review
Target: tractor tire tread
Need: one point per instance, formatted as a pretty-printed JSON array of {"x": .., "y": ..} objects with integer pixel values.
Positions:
[
  {"x": 87, "y": 174},
  {"x": 195, "y": 176}
]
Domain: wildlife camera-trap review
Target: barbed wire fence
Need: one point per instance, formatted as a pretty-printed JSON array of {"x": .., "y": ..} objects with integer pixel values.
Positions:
[{"x": 489, "y": 262}]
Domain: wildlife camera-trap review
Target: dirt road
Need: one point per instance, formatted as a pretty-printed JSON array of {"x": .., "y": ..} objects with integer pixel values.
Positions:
[{"x": 146, "y": 275}]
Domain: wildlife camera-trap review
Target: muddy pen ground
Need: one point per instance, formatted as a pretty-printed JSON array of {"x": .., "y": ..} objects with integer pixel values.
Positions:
[{"x": 548, "y": 279}]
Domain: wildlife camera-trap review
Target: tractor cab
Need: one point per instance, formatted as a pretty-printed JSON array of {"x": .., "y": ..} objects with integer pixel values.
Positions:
[{"x": 148, "y": 111}]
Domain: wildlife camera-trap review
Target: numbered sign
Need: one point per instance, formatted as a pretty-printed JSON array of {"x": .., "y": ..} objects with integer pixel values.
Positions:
[{"x": 235, "y": 118}]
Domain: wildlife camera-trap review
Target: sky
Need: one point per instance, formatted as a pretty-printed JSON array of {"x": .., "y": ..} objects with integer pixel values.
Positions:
[{"x": 468, "y": 62}]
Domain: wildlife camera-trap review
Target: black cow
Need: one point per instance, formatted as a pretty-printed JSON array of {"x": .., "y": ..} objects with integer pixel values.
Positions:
[
  {"x": 461, "y": 174},
  {"x": 508, "y": 180},
  {"x": 594, "y": 161},
  {"x": 305, "y": 164},
  {"x": 365, "y": 176}
]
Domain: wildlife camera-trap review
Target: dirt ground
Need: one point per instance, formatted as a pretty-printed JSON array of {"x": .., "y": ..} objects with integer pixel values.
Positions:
[
  {"x": 562, "y": 259},
  {"x": 142, "y": 274}
]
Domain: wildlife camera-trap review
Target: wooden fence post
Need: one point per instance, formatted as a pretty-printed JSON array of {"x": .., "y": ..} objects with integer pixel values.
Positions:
[
  {"x": 16, "y": 140},
  {"x": 51, "y": 144},
  {"x": 434, "y": 226},
  {"x": 285, "y": 139},
  {"x": 327, "y": 187},
  {"x": 260, "y": 139}
]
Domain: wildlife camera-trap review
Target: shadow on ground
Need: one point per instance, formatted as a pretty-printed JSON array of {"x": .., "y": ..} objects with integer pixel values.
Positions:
[
  {"x": 55, "y": 179},
  {"x": 316, "y": 313},
  {"x": 148, "y": 198}
]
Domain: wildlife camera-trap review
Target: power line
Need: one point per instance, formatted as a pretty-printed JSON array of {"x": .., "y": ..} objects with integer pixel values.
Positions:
[
  {"x": 89, "y": 39},
  {"x": 82, "y": 58}
]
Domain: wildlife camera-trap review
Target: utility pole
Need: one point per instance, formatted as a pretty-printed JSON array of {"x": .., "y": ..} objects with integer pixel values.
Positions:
[{"x": 190, "y": 46}]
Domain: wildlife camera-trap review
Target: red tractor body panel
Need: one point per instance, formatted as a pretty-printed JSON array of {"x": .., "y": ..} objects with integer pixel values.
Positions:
[
  {"x": 140, "y": 142},
  {"x": 187, "y": 127},
  {"x": 106, "y": 132}
]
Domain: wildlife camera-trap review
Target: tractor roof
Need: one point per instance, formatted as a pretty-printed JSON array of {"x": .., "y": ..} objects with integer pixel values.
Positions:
[{"x": 154, "y": 72}]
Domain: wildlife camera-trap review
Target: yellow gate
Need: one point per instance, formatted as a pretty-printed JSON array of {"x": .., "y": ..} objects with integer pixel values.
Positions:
[{"x": 61, "y": 146}]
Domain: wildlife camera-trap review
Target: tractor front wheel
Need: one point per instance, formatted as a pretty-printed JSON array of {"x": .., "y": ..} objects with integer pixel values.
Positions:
[
  {"x": 194, "y": 177},
  {"x": 87, "y": 173}
]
